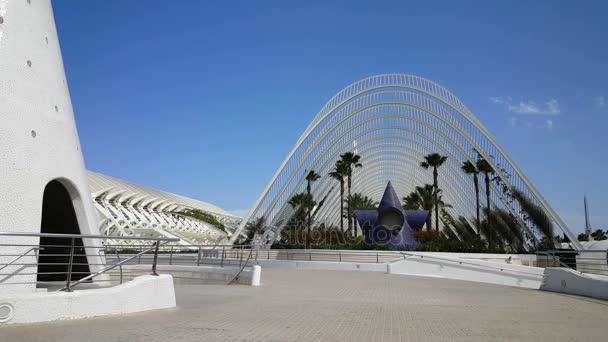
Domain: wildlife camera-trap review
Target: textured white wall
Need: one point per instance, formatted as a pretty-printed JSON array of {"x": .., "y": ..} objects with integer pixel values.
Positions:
[
  {"x": 449, "y": 268},
  {"x": 470, "y": 270},
  {"x": 38, "y": 137},
  {"x": 207, "y": 272},
  {"x": 564, "y": 280},
  {"x": 141, "y": 294}
]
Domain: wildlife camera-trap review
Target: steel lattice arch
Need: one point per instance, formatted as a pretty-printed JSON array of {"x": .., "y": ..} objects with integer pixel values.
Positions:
[{"x": 392, "y": 121}]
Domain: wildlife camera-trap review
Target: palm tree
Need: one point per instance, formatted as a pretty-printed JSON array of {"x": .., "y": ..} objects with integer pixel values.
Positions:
[
  {"x": 351, "y": 161},
  {"x": 254, "y": 228},
  {"x": 599, "y": 235},
  {"x": 434, "y": 160},
  {"x": 360, "y": 202},
  {"x": 311, "y": 177},
  {"x": 424, "y": 198},
  {"x": 538, "y": 216},
  {"x": 339, "y": 173},
  {"x": 461, "y": 226},
  {"x": 508, "y": 229},
  {"x": 412, "y": 201},
  {"x": 484, "y": 167},
  {"x": 303, "y": 203},
  {"x": 471, "y": 169}
]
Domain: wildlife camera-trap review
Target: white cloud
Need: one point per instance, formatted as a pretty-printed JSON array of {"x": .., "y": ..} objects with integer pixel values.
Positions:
[
  {"x": 550, "y": 107},
  {"x": 518, "y": 121},
  {"x": 500, "y": 99},
  {"x": 600, "y": 101}
]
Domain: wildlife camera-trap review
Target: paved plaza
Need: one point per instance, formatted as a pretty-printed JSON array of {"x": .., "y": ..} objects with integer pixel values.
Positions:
[{"x": 299, "y": 305}]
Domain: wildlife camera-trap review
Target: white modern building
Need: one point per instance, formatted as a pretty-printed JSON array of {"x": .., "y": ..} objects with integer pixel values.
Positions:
[
  {"x": 44, "y": 186},
  {"x": 128, "y": 209},
  {"x": 392, "y": 121}
]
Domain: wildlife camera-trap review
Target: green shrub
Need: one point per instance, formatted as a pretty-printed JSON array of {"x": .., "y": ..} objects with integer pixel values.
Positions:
[{"x": 202, "y": 216}]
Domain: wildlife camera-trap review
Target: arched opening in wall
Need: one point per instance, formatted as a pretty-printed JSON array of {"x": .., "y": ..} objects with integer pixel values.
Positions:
[{"x": 59, "y": 217}]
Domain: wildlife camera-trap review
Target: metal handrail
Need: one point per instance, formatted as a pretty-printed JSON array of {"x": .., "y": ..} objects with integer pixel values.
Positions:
[
  {"x": 72, "y": 246},
  {"x": 20, "y": 256},
  {"x": 72, "y": 284},
  {"x": 90, "y": 236},
  {"x": 581, "y": 261},
  {"x": 468, "y": 263},
  {"x": 552, "y": 255},
  {"x": 242, "y": 267}
]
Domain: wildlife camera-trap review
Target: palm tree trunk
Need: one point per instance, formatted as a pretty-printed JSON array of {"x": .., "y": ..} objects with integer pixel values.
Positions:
[
  {"x": 309, "y": 218},
  {"x": 487, "y": 180},
  {"x": 436, "y": 203},
  {"x": 429, "y": 220},
  {"x": 308, "y": 242},
  {"x": 476, "y": 181},
  {"x": 350, "y": 224},
  {"x": 342, "y": 205}
]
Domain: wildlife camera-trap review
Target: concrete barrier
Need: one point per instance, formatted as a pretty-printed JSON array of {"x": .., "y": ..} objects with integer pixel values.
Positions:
[
  {"x": 204, "y": 273},
  {"x": 142, "y": 294},
  {"x": 573, "y": 282},
  {"x": 469, "y": 270},
  {"x": 323, "y": 265},
  {"x": 428, "y": 265},
  {"x": 256, "y": 275}
]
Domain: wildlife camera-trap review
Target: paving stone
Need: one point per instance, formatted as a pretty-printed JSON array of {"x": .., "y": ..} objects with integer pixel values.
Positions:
[{"x": 308, "y": 305}]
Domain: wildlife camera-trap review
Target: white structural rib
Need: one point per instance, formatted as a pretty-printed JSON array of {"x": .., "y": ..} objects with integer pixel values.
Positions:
[
  {"x": 127, "y": 209},
  {"x": 392, "y": 121}
]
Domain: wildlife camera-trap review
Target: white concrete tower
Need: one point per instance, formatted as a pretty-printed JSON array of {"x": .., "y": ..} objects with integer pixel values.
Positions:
[{"x": 40, "y": 155}]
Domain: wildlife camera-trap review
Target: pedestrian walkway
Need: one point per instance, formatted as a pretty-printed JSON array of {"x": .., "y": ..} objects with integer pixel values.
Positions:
[{"x": 307, "y": 305}]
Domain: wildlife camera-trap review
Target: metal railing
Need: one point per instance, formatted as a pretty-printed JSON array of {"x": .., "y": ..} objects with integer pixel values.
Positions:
[
  {"x": 67, "y": 260},
  {"x": 236, "y": 256},
  {"x": 33, "y": 249},
  {"x": 363, "y": 256},
  {"x": 190, "y": 255},
  {"x": 584, "y": 261},
  {"x": 480, "y": 264}
]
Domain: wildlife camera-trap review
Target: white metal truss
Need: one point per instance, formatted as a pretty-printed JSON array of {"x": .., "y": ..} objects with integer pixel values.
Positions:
[
  {"x": 127, "y": 209},
  {"x": 392, "y": 121}
]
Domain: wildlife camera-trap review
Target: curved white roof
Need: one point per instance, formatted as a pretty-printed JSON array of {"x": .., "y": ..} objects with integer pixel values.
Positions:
[
  {"x": 392, "y": 121},
  {"x": 595, "y": 245},
  {"x": 100, "y": 183}
]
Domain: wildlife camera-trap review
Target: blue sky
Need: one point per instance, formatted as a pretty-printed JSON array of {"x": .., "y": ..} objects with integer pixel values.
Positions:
[{"x": 206, "y": 98}]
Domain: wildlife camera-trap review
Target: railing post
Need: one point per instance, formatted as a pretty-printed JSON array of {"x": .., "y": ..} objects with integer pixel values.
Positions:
[
  {"x": 223, "y": 256},
  {"x": 340, "y": 256},
  {"x": 268, "y": 254},
  {"x": 241, "y": 260},
  {"x": 68, "y": 279},
  {"x": 157, "y": 245},
  {"x": 139, "y": 258},
  {"x": 171, "y": 256},
  {"x": 309, "y": 256},
  {"x": 120, "y": 267},
  {"x": 198, "y": 260},
  {"x": 377, "y": 260}
]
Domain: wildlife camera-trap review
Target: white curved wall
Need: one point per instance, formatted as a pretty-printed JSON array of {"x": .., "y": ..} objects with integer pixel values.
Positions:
[
  {"x": 128, "y": 209},
  {"x": 38, "y": 137},
  {"x": 143, "y": 293}
]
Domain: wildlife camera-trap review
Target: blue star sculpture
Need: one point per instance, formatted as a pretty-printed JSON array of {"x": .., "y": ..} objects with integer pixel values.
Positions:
[{"x": 390, "y": 224}]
